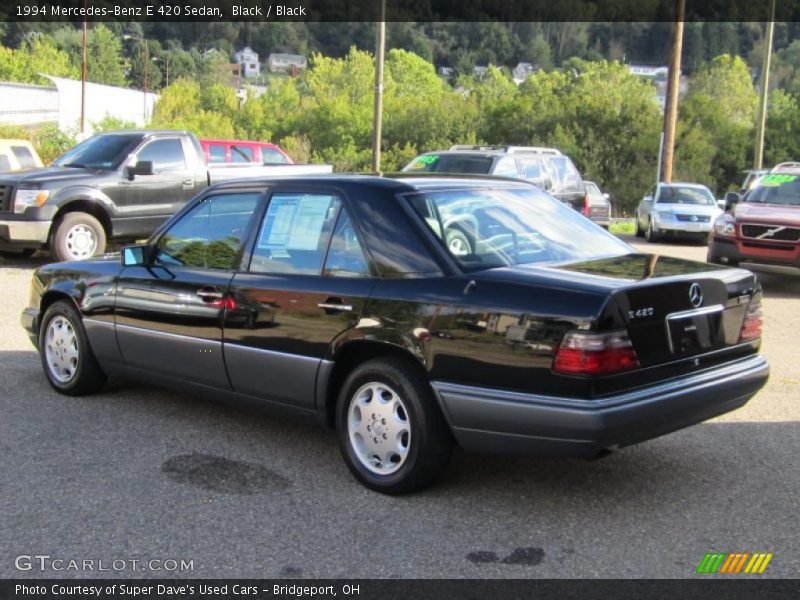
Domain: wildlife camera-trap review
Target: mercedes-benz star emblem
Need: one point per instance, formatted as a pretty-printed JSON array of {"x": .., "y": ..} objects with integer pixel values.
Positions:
[{"x": 695, "y": 295}]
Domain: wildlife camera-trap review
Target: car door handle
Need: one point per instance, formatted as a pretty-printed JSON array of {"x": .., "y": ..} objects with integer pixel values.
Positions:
[
  {"x": 210, "y": 293},
  {"x": 334, "y": 305},
  {"x": 187, "y": 182}
]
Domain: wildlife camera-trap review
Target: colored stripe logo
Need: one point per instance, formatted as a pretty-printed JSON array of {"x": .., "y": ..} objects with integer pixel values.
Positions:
[{"x": 734, "y": 563}]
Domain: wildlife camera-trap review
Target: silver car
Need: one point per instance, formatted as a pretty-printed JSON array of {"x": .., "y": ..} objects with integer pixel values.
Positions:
[
  {"x": 676, "y": 209},
  {"x": 597, "y": 205}
]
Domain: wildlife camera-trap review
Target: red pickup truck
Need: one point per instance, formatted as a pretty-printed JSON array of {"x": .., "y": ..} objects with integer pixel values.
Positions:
[{"x": 763, "y": 226}]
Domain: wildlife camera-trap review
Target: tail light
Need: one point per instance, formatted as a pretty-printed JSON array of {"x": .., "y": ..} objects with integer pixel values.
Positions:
[
  {"x": 586, "y": 205},
  {"x": 753, "y": 322},
  {"x": 227, "y": 303},
  {"x": 584, "y": 353}
]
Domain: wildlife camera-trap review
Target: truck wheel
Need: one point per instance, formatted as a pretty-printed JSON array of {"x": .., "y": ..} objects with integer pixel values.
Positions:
[
  {"x": 391, "y": 432},
  {"x": 78, "y": 236},
  {"x": 67, "y": 358}
]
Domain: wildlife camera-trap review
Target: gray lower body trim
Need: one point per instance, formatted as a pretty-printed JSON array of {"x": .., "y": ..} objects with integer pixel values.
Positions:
[
  {"x": 27, "y": 231},
  {"x": 488, "y": 420}
]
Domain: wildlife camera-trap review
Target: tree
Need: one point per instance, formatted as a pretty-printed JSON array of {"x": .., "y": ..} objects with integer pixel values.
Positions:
[
  {"x": 35, "y": 58},
  {"x": 782, "y": 135}
]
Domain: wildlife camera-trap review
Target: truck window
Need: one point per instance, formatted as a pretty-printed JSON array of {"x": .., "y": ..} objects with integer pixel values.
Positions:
[
  {"x": 506, "y": 167},
  {"x": 167, "y": 155},
  {"x": 24, "y": 156},
  {"x": 270, "y": 156},
  {"x": 216, "y": 153},
  {"x": 5, "y": 164},
  {"x": 241, "y": 154}
]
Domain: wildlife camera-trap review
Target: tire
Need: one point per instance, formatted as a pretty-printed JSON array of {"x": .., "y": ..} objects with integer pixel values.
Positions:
[
  {"x": 77, "y": 236},
  {"x": 12, "y": 254},
  {"x": 406, "y": 412},
  {"x": 67, "y": 359},
  {"x": 650, "y": 233},
  {"x": 457, "y": 242},
  {"x": 639, "y": 232}
]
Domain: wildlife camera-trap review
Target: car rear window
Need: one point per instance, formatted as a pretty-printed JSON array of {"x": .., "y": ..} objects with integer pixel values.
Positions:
[
  {"x": 473, "y": 164},
  {"x": 483, "y": 229}
]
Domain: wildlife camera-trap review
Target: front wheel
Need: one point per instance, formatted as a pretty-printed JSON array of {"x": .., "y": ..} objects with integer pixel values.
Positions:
[
  {"x": 651, "y": 234},
  {"x": 67, "y": 358},
  {"x": 78, "y": 236},
  {"x": 391, "y": 432}
]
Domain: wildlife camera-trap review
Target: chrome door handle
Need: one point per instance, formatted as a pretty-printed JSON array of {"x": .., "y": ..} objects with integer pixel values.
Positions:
[
  {"x": 188, "y": 182},
  {"x": 209, "y": 294},
  {"x": 334, "y": 306}
]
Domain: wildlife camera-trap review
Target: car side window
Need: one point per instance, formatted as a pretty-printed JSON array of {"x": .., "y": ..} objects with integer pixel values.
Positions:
[
  {"x": 270, "y": 156},
  {"x": 210, "y": 235},
  {"x": 295, "y": 233},
  {"x": 241, "y": 154},
  {"x": 166, "y": 155},
  {"x": 345, "y": 256},
  {"x": 506, "y": 167},
  {"x": 216, "y": 153}
]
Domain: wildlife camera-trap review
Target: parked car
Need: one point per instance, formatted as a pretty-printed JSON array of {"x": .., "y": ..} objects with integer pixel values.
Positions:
[
  {"x": 763, "y": 226},
  {"x": 678, "y": 210},
  {"x": 337, "y": 297},
  {"x": 18, "y": 154},
  {"x": 243, "y": 152},
  {"x": 117, "y": 185},
  {"x": 547, "y": 168},
  {"x": 597, "y": 205},
  {"x": 751, "y": 177}
]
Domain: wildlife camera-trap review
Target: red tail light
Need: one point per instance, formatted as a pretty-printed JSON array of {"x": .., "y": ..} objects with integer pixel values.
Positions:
[
  {"x": 228, "y": 303},
  {"x": 753, "y": 322},
  {"x": 586, "y": 210},
  {"x": 584, "y": 353}
]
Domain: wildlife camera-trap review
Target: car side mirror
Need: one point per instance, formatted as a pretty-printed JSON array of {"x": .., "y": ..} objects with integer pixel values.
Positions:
[
  {"x": 648, "y": 199},
  {"x": 133, "y": 256},
  {"x": 731, "y": 199},
  {"x": 142, "y": 167}
]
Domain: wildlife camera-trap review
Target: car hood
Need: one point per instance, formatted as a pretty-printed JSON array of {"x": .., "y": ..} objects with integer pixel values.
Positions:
[
  {"x": 780, "y": 214},
  {"x": 49, "y": 175}
]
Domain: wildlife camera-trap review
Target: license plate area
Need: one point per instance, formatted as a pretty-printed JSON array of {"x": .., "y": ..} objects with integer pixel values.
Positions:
[{"x": 694, "y": 331}]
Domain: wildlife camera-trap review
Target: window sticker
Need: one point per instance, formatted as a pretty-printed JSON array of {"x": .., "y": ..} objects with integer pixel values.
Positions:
[
  {"x": 425, "y": 161},
  {"x": 294, "y": 223},
  {"x": 776, "y": 179}
]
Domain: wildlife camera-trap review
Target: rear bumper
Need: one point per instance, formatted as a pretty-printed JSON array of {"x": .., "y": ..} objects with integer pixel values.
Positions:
[{"x": 496, "y": 421}]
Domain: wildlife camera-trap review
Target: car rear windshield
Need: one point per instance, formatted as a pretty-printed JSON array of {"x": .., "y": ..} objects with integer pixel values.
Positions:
[
  {"x": 486, "y": 228},
  {"x": 676, "y": 194},
  {"x": 775, "y": 188},
  {"x": 105, "y": 151},
  {"x": 473, "y": 164}
]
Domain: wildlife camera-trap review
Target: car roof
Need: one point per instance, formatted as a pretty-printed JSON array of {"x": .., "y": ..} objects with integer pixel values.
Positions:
[
  {"x": 226, "y": 141},
  {"x": 683, "y": 184},
  {"x": 395, "y": 182}
]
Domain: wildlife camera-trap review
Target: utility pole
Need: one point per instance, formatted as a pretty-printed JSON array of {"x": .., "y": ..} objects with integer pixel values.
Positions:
[
  {"x": 761, "y": 121},
  {"x": 673, "y": 91},
  {"x": 380, "y": 43},
  {"x": 146, "y": 66},
  {"x": 83, "y": 79}
]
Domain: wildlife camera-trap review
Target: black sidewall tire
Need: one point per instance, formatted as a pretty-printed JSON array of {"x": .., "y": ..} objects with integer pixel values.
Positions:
[
  {"x": 89, "y": 377},
  {"x": 431, "y": 440},
  {"x": 58, "y": 245},
  {"x": 650, "y": 235}
]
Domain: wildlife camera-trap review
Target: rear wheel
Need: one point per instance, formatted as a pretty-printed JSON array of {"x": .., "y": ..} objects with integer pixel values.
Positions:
[
  {"x": 78, "y": 236},
  {"x": 651, "y": 234},
  {"x": 391, "y": 432},
  {"x": 67, "y": 358}
]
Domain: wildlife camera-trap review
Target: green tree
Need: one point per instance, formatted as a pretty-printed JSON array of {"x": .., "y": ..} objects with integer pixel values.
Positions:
[{"x": 35, "y": 58}]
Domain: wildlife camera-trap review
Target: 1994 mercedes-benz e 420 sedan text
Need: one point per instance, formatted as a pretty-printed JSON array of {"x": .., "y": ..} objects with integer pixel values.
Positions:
[{"x": 342, "y": 297}]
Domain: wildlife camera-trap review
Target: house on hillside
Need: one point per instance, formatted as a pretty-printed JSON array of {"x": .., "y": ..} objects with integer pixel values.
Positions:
[
  {"x": 522, "y": 71},
  {"x": 248, "y": 58},
  {"x": 286, "y": 63}
]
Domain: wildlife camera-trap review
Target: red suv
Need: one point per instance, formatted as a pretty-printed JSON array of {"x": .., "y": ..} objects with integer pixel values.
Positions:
[
  {"x": 763, "y": 226},
  {"x": 243, "y": 152}
]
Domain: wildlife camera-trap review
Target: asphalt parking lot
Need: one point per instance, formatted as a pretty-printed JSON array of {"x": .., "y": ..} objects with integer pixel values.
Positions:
[{"x": 141, "y": 473}]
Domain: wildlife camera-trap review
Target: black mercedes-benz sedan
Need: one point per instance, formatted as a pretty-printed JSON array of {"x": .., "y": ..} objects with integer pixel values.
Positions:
[{"x": 410, "y": 314}]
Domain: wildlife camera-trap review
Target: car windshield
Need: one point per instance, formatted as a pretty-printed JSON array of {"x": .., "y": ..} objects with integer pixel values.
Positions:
[
  {"x": 474, "y": 164},
  {"x": 486, "y": 228},
  {"x": 776, "y": 188},
  {"x": 676, "y": 194},
  {"x": 105, "y": 151}
]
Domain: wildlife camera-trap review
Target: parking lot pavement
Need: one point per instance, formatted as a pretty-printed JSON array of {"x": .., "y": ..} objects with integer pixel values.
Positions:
[{"x": 142, "y": 473}]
